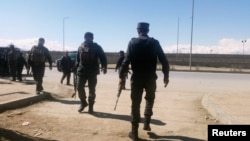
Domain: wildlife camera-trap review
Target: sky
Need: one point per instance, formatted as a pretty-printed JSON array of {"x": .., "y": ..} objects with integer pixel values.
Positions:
[{"x": 219, "y": 26}]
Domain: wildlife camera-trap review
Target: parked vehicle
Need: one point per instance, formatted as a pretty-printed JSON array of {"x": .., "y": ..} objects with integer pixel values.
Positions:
[{"x": 72, "y": 55}]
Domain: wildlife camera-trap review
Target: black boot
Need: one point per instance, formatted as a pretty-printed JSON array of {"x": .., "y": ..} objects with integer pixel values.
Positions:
[
  {"x": 91, "y": 107},
  {"x": 68, "y": 81},
  {"x": 133, "y": 134},
  {"x": 82, "y": 106},
  {"x": 147, "y": 124},
  {"x": 13, "y": 79}
]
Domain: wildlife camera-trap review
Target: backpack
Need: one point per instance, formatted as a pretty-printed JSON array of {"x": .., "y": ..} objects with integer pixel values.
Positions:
[
  {"x": 88, "y": 54},
  {"x": 37, "y": 55},
  {"x": 66, "y": 63}
]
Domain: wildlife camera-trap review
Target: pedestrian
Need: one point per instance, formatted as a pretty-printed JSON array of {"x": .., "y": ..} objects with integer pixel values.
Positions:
[
  {"x": 4, "y": 63},
  {"x": 142, "y": 54},
  {"x": 37, "y": 57},
  {"x": 1, "y": 65},
  {"x": 66, "y": 65},
  {"x": 117, "y": 67},
  {"x": 88, "y": 68},
  {"x": 21, "y": 62},
  {"x": 12, "y": 62}
]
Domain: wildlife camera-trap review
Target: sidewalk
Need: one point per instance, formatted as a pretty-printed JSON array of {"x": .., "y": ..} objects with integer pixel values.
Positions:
[{"x": 18, "y": 94}]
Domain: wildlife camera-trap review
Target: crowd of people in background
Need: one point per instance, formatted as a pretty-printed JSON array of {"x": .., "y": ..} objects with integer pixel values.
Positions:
[{"x": 12, "y": 63}]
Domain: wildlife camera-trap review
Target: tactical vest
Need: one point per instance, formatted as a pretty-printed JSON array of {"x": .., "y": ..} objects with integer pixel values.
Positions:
[
  {"x": 37, "y": 55},
  {"x": 88, "y": 55},
  {"x": 66, "y": 63},
  {"x": 13, "y": 55}
]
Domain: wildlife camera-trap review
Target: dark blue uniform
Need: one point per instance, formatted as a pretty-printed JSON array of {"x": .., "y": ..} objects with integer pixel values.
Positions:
[
  {"x": 88, "y": 57},
  {"x": 142, "y": 53},
  {"x": 21, "y": 62},
  {"x": 37, "y": 57},
  {"x": 66, "y": 64},
  {"x": 118, "y": 66},
  {"x": 12, "y": 62}
]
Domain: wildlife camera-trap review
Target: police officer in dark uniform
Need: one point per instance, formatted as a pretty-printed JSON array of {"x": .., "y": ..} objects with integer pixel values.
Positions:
[
  {"x": 88, "y": 68},
  {"x": 117, "y": 67},
  {"x": 21, "y": 62},
  {"x": 36, "y": 59},
  {"x": 142, "y": 54},
  {"x": 66, "y": 64},
  {"x": 5, "y": 63},
  {"x": 12, "y": 62}
]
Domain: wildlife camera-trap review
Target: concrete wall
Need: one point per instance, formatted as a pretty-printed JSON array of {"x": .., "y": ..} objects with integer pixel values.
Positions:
[{"x": 209, "y": 60}]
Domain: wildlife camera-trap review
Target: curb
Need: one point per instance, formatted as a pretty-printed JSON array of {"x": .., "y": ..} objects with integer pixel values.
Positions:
[
  {"x": 215, "y": 110},
  {"x": 22, "y": 102}
]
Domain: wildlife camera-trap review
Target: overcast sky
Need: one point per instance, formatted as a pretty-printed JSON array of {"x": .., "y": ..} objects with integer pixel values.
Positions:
[{"x": 219, "y": 26}]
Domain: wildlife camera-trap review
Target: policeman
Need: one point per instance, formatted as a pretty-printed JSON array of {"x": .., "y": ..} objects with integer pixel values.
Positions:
[
  {"x": 12, "y": 62},
  {"x": 36, "y": 59},
  {"x": 117, "y": 67},
  {"x": 88, "y": 68},
  {"x": 21, "y": 62},
  {"x": 66, "y": 64},
  {"x": 5, "y": 63},
  {"x": 142, "y": 53}
]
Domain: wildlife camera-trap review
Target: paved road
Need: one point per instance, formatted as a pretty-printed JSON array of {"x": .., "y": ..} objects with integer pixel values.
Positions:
[{"x": 178, "y": 112}]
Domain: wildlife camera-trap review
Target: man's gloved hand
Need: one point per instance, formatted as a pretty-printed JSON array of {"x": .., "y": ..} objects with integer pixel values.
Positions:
[
  {"x": 120, "y": 81},
  {"x": 166, "y": 81},
  {"x": 75, "y": 66}
]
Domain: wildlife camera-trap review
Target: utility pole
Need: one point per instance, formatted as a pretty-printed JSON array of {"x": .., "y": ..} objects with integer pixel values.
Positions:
[
  {"x": 190, "y": 57},
  {"x": 177, "y": 40},
  {"x": 243, "y": 42},
  {"x": 63, "y": 30}
]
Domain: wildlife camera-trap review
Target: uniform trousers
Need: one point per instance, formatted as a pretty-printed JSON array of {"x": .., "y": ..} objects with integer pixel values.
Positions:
[
  {"x": 81, "y": 82},
  {"x": 138, "y": 85},
  {"x": 38, "y": 73}
]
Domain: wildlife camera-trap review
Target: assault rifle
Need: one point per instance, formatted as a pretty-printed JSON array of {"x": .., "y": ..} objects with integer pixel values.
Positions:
[
  {"x": 74, "y": 80},
  {"x": 118, "y": 94},
  {"x": 28, "y": 71}
]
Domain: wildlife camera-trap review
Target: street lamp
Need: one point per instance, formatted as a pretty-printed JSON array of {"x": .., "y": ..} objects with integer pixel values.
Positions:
[
  {"x": 243, "y": 42},
  {"x": 63, "y": 29}
]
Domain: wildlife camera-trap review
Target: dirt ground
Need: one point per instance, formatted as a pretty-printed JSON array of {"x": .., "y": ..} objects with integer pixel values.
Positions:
[
  {"x": 42, "y": 122},
  {"x": 178, "y": 115}
]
